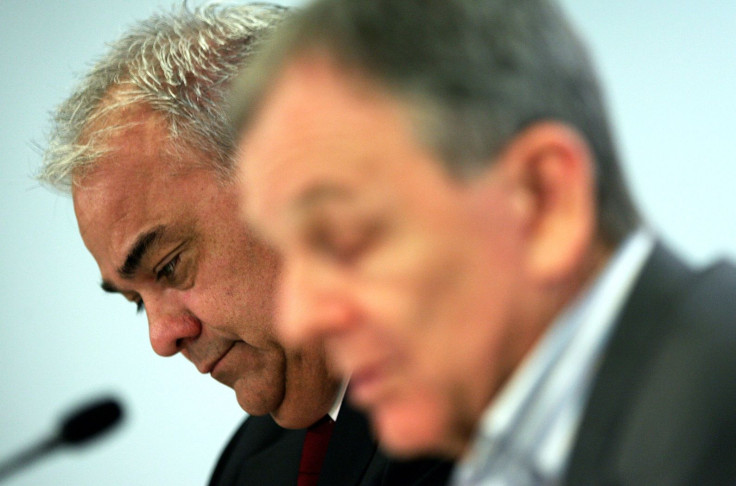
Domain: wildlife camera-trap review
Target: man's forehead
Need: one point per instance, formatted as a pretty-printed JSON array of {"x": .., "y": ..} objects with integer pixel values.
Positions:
[
  {"x": 102, "y": 217},
  {"x": 310, "y": 143},
  {"x": 109, "y": 192},
  {"x": 118, "y": 201},
  {"x": 301, "y": 123}
]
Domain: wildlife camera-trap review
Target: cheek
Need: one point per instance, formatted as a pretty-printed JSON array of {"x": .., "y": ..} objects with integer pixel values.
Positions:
[
  {"x": 253, "y": 283},
  {"x": 442, "y": 312},
  {"x": 236, "y": 295},
  {"x": 404, "y": 298},
  {"x": 423, "y": 301},
  {"x": 400, "y": 283}
]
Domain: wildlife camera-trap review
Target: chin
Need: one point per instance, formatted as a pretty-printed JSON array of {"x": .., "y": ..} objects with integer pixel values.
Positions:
[
  {"x": 258, "y": 407},
  {"x": 409, "y": 430},
  {"x": 302, "y": 406}
]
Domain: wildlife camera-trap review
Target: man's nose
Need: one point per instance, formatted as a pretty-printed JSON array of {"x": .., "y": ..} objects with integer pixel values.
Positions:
[
  {"x": 170, "y": 324},
  {"x": 312, "y": 303}
]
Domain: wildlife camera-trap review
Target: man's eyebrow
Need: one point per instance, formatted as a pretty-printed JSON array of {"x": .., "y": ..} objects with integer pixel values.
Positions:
[
  {"x": 136, "y": 253},
  {"x": 320, "y": 193}
]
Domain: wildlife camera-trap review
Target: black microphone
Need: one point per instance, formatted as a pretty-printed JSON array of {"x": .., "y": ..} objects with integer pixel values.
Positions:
[{"x": 76, "y": 428}]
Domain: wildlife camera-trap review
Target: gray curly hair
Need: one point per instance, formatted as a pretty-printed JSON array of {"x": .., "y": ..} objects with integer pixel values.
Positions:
[{"x": 179, "y": 64}]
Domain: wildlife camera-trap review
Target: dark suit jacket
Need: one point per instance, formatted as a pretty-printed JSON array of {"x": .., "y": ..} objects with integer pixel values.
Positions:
[
  {"x": 662, "y": 410},
  {"x": 263, "y": 454}
]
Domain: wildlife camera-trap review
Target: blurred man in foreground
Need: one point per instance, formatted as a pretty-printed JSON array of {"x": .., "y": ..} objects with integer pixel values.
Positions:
[
  {"x": 442, "y": 184},
  {"x": 143, "y": 147}
]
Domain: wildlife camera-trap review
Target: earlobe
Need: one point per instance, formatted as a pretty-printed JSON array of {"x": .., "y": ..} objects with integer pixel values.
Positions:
[{"x": 554, "y": 173}]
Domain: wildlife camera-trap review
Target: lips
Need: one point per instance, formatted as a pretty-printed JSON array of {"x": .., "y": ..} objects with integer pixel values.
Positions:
[
  {"x": 367, "y": 384},
  {"x": 208, "y": 366}
]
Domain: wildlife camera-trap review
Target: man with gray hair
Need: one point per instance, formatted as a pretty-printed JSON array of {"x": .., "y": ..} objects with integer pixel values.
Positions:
[
  {"x": 144, "y": 149},
  {"x": 442, "y": 185}
]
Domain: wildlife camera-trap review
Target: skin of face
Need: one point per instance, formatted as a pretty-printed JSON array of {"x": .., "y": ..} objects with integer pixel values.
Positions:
[
  {"x": 427, "y": 291},
  {"x": 166, "y": 234}
]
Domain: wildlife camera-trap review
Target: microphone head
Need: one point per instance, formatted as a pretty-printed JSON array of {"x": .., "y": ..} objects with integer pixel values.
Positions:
[{"x": 89, "y": 421}]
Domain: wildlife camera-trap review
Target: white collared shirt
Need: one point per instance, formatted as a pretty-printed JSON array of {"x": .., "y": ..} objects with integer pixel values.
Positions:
[
  {"x": 526, "y": 434},
  {"x": 335, "y": 409}
]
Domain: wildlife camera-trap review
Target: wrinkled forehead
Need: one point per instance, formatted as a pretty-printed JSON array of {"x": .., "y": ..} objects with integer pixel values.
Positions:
[
  {"x": 105, "y": 198},
  {"x": 119, "y": 185},
  {"x": 320, "y": 128},
  {"x": 130, "y": 148}
]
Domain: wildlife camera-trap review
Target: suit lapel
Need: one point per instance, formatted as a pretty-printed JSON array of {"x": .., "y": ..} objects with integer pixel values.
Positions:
[
  {"x": 638, "y": 333},
  {"x": 353, "y": 459},
  {"x": 351, "y": 456},
  {"x": 278, "y": 462},
  {"x": 260, "y": 453}
]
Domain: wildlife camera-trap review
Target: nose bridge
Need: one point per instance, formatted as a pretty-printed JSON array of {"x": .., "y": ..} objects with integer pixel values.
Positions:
[
  {"x": 312, "y": 300},
  {"x": 170, "y": 323}
]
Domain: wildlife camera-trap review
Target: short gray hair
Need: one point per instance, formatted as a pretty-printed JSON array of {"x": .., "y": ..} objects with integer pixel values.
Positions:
[
  {"x": 477, "y": 72},
  {"x": 177, "y": 63}
]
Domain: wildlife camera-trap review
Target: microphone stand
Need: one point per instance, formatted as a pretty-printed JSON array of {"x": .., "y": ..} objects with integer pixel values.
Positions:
[
  {"x": 28, "y": 456},
  {"x": 84, "y": 424}
]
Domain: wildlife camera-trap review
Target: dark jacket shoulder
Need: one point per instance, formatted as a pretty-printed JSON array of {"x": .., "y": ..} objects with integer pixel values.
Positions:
[{"x": 661, "y": 408}]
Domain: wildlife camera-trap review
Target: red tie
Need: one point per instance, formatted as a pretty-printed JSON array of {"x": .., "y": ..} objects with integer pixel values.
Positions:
[{"x": 313, "y": 452}]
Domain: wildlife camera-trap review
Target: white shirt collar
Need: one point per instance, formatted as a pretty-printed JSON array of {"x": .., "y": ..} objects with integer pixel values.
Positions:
[{"x": 335, "y": 409}]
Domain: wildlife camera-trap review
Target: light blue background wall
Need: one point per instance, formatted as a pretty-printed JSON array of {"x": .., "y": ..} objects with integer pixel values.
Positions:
[{"x": 670, "y": 72}]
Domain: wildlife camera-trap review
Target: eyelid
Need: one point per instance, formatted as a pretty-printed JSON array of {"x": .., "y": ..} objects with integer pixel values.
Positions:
[
  {"x": 346, "y": 243},
  {"x": 164, "y": 272},
  {"x": 167, "y": 259}
]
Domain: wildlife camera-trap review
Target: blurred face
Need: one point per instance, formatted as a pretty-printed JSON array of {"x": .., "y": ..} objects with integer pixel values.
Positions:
[
  {"x": 410, "y": 277},
  {"x": 166, "y": 235}
]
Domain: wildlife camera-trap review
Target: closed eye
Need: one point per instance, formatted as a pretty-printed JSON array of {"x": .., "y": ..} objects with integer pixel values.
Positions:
[
  {"x": 347, "y": 243},
  {"x": 168, "y": 270}
]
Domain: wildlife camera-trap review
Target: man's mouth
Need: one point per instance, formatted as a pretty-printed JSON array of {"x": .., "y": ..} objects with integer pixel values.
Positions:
[
  {"x": 209, "y": 365},
  {"x": 367, "y": 384}
]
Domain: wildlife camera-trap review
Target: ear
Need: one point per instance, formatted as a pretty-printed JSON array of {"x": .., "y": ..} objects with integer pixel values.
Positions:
[{"x": 552, "y": 175}]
